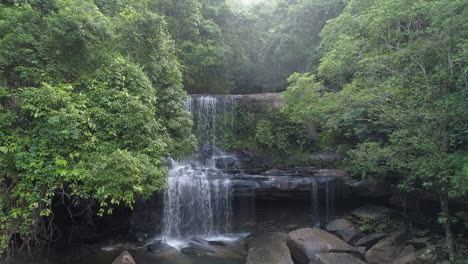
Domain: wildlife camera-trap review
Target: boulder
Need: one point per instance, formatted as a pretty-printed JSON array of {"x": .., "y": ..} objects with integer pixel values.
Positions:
[
  {"x": 198, "y": 247},
  {"x": 161, "y": 249},
  {"x": 338, "y": 224},
  {"x": 387, "y": 249},
  {"x": 370, "y": 240},
  {"x": 404, "y": 201},
  {"x": 304, "y": 243},
  {"x": 431, "y": 254},
  {"x": 124, "y": 258},
  {"x": 373, "y": 212},
  {"x": 336, "y": 258},
  {"x": 365, "y": 188},
  {"x": 349, "y": 235},
  {"x": 268, "y": 248},
  {"x": 419, "y": 243}
]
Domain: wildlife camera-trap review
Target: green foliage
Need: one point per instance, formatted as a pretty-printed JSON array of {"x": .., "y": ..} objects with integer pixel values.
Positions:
[
  {"x": 370, "y": 226},
  {"x": 84, "y": 114}
]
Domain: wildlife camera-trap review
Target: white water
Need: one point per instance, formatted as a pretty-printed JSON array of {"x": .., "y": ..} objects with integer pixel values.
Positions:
[{"x": 198, "y": 195}]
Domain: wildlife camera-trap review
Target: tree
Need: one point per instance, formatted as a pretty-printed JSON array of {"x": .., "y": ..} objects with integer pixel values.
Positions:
[{"x": 401, "y": 67}]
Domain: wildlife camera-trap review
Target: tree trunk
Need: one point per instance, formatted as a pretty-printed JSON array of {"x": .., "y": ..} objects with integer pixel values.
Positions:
[{"x": 443, "y": 196}]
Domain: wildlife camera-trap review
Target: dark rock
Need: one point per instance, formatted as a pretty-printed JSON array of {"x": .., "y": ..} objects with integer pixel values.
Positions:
[
  {"x": 419, "y": 243},
  {"x": 304, "y": 243},
  {"x": 373, "y": 212},
  {"x": 365, "y": 188},
  {"x": 328, "y": 157},
  {"x": 159, "y": 248},
  {"x": 218, "y": 243},
  {"x": 124, "y": 258},
  {"x": 196, "y": 251},
  {"x": 338, "y": 224},
  {"x": 370, "y": 240},
  {"x": 404, "y": 201},
  {"x": 387, "y": 249},
  {"x": 349, "y": 235},
  {"x": 409, "y": 249},
  {"x": 335, "y": 258},
  {"x": 431, "y": 254},
  {"x": 268, "y": 248}
]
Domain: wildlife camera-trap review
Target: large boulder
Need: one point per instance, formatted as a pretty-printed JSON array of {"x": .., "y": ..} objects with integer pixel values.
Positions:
[
  {"x": 431, "y": 254},
  {"x": 387, "y": 249},
  {"x": 160, "y": 248},
  {"x": 338, "y": 224},
  {"x": 373, "y": 212},
  {"x": 268, "y": 248},
  {"x": 365, "y": 188},
  {"x": 370, "y": 240},
  {"x": 336, "y": 258},
  {"x": 304, "y": 243},
  {"x": 124, "y": 258}
]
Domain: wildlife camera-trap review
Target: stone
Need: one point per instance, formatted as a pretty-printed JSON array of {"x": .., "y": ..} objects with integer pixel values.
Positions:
[
  {"x": 419, "y": 243},
  {"x": 124, "y": 258},
  {"x": 409, "y": 249},
  {"x": 349, "y": 235},
  {"x": 304, "y": 243},
  {"x": 387, "y": 249},
  {"x": 267, "y": 248},
  {"x": 218, "y": 243},
  {"x": 370, "y": 240},
  {"x": 365, "y": 188},
  {"x": 196, "y": 251},
  {"x": 373, "y": 212},
  {"x": 336, "y": 258},
  {"x": 338, "y": 224},
  {"x": 161, "y": 249},
  {"x": 432, "y": 254},
  {"x": 404, "y": 201}
]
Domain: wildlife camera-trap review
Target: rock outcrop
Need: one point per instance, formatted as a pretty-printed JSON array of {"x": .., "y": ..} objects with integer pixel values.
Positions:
[
  {"x": 387, "y": 249},
  {"x": 124, "y": 258},
  {"x": 268, "y": 248},
  {"x": 305, "y": 243}
]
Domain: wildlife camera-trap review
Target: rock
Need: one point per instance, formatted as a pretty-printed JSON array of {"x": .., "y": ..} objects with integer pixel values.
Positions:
[
  {"x": 419, "y": 243},
  {"x": 268, "y": 248},
  {"x": 335, "y": 258},
  {"x": 338, "y": 224},
  {"x": 349, "y": 235},
  {"x": 162, "y": 249},
  {"x": 406, "y": 251},
  {"x": 362, "y": 250},
  {"x": 196, "y": 251},
  {"x": 365, "y": 188},
  {"x": 373, "y": 212},
  {"x": 304, "y": 243},
  {"x": 387, "y": 249},
  {"x": 218, "y": 243},
  {"x": 329, "y": 157},
  {"x": 370, "y": 240},
  {"x": 198, "y": 247},
  {"x": 431, "y": 254},
  {"x": 124, "y": 258},
  {"x": 404, "y": 201}
]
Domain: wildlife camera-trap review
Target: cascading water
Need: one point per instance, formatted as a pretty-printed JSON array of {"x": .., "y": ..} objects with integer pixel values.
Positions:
[
  {"x": 198, "y": 196},
  {"x": 328, "y": 195}
]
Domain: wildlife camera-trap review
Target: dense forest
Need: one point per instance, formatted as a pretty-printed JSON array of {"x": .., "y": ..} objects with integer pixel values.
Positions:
[{"x": 92, "y": 95}]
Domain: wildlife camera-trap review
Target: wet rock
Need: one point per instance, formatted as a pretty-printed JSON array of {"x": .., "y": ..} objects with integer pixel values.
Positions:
[
  {"x": 373, "y": 212},
  {"x": 350, "y": 234},
  {"x": 387, "y": 249},
  {"x": 336, "y": 258},
  {"x": 218, "y": 243},
  {"x": 304, "y": 243},
  {"x": 124, "y": 258},
  {"x": 370, "y": 240},
  {"x": 198, "y": 247},
  {"x": 365, "y": 188},
  {"x": 338, "y": 224},
  {"x": 268, "y": 248},
  {"x": 196, "y": 251},
  {"x": 419, "y": 243},
  {"x": 431, "y": 254},
  {"x": 161, "y": 249},
  {"x": 404, "y": 201}
]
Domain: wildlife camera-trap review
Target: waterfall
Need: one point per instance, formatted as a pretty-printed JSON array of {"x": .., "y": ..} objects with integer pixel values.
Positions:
[
  {"x": 198, "y": 194},
  {"x": 328, "y": 196}
]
